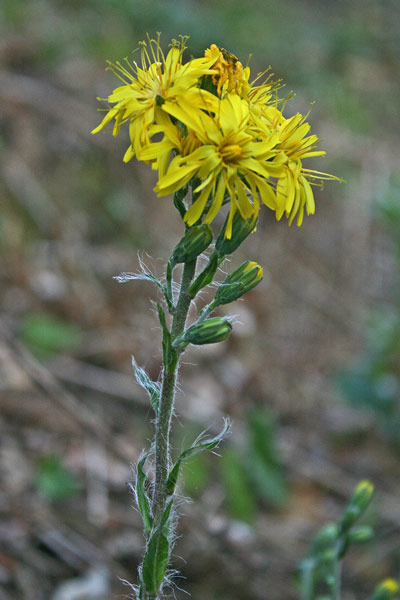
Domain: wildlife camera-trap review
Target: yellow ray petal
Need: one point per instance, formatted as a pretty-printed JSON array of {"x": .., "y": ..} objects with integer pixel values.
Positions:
[{"x": 194, "y": 213}]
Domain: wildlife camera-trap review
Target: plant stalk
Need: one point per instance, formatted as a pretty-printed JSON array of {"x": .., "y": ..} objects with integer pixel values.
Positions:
[
  {"x": 338, "y": 580},
  {"x": 163, "y": 420}
]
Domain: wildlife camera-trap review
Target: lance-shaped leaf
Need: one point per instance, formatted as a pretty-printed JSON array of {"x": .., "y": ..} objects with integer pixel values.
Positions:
[
  {"x": 198, "y": 446},
  {"x": 169, "y": 354},
  {"x": 168, "y": 277},
  {"x": 142, "y": 498},
  {"x": 146, "y": 276},
  {"x": 155, "y": 561},
  {"x": 152, "y": 388},
  {"x": 205, "y": 277}
]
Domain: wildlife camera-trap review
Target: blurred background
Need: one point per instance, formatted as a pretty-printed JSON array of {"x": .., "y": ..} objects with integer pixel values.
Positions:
[{"x": 310, "y": 376}]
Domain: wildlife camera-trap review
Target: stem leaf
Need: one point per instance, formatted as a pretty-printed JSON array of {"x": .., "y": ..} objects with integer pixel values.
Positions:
[
  {"x": 142, "y": 498},
  {"x": 146, "y": 276},
  {"x": 152, "y": 388},
  {"x": 206, "y": 276},
  {"x": 169, "y": 354},
  {"x": 198, "y": 446},
  {"x": 155, "y": 561},
  {"x": 168, "y": 289}
]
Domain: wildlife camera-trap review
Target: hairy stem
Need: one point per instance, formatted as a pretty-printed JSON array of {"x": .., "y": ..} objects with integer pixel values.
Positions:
[
  {"x": 163, "y": 421},
  {"x": 338, "y": 580}
]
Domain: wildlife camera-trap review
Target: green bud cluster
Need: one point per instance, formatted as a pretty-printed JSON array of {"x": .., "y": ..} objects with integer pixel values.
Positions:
[
  {"x": 242, "y": 280},
  {"x": 320, "y": 568}
]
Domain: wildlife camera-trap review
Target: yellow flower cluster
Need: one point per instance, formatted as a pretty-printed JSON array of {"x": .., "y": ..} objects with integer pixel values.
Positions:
[{"x": 202, "y": 123}]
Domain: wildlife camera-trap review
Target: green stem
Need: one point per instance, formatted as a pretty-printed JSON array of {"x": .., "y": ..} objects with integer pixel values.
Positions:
[
  {"x": 308, "y": 579},
  {"x": 338, "y": 579},
  {"x": 163, "y": 421}
]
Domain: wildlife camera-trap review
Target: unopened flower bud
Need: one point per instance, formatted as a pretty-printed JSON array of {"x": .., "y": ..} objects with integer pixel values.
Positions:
[
  {"x": 326, "y": 537},
  {"x": 358, "y": 504},
  {"x": 242, "y": 280},
  {"x": 328, "y": 556},
  {"x": 209, "y": 331},
  {"x": 193, "y": 243},
  {"x": 387, "y": 590},
  {"x": 361, "y": 535},
  {"x": 363, "y": 494},
  {"x": 241, "y": 228}
]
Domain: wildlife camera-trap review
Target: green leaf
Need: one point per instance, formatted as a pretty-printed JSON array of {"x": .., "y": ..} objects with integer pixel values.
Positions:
[
  {"x": 54, "y": 480},
  {"x": 165, "y": 518},
  {"x": 206, "y": 276},
  {"x": 146, "y": 276},
  {"x": 124, "y": 277},
  {"x": 155, "y": 561},
  {"x": 141, "y": 495},
  {"x": 152, "y": 388},
  {"x": 198, "y": 446},
  {"x": 169, "y": 354},
  {"x": 169, "y": 296}
]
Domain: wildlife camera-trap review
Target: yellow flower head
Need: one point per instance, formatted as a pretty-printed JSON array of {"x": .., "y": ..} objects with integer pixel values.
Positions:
[
  {"x": 387, "y": 590},
  {"x": 176, "y": 139},
  {"x": 229, "y": 76},
  {"x": 160, "y": 79},
  {"x": 294, "y": 192},
  {"x": 391, "y": 585},
  {"x": 231, "y": 163},
  {"x": 201, "y": 124}
]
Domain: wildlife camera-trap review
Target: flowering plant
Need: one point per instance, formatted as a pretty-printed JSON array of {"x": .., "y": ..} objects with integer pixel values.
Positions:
[
  {"x": 215, "y": 137},
  {"x": 223, "y": 136}
]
